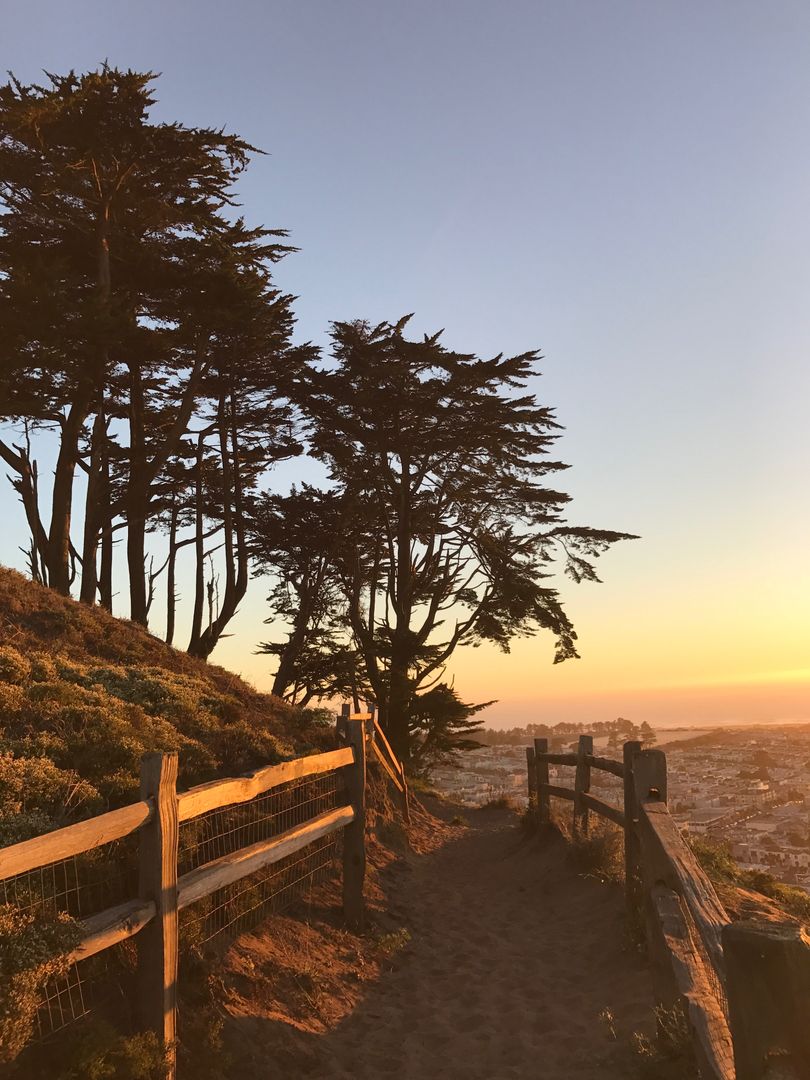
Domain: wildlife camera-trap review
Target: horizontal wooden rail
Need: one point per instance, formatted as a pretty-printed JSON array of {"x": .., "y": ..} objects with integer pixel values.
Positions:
[
  {"x": 559, "y": 792},
  {"x": 607, "y": 764},
  {"x": 593, "y": 760},
  {"x": 744, "y": 987},
  {"x": 73, "y": 839},
  {"x": 711, "y": 1037},
  {"x": 220, "y": 872},
  {"x": 612, "y": 813},
  {"x": 392, "y": 757},
  {"x": 109, "y": 927},
  {"x": 672, "y": 861},
  {"x": 559, "y": 759},
  {"x": 238, "y": 789}
]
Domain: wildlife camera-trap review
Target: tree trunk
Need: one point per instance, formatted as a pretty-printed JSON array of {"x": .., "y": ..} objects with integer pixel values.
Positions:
[
  {"x": 397, "y": 706},
  {"x": 58, "y": 556},
  {"x": 93, "y": 510},
  {"x": 233, "y": 522},
  {"x": 199, "y": 548},
  {"x": 105, "y": 582},
  {"x": 137, "y": 498},
  {"x": 19, "y": 459},
  {"x": 171, "y": 588}
]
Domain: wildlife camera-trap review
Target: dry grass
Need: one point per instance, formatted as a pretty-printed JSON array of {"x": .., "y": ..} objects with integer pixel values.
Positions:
[
  {"x": 598, "y": 854},
  {"x": 502, "y": 802}
]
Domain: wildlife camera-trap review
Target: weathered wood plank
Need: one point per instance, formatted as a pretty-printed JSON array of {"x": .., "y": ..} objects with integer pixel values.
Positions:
[
  {"x": 768, "y": 987},
  {"x": 582, "y": 785},
  {"x": 669, "y": 859},
  {"x": 393, "y": 777},
  {"x": 606, "y": 764},
  {"x": 73, "y": 839},
  {"x": 109, "y": 927},
  {"x": 560, "y": 792},
  {"x": 561, "y": 759},
  {"x": 157, "y": 881},
  {"x": 632, "y": 846},
  {"x": 215, "y": 875},
  {"x": 531, "y": 778},
  {"x": 612, "y": 813},
  {"x": 610, "y": 765},
  {"x": 650, "y": 775},
  {"x": 238, "y": 789},
  {"x": 393, "y": 759},
  {"x": 541, "y": 769},
  {"x": 710, "y": 1033}
]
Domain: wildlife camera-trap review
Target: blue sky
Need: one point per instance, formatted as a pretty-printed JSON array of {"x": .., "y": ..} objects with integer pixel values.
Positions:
[{"x": 622, "y": 185}]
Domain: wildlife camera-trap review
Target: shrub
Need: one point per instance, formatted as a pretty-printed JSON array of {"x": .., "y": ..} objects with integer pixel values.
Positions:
[
  {"x": 600, "y": 854},
  {"x": 393, "y": 942},
  {"x": 502, "y": 802},
  {"x": 718, "y": 862},
  {"x": 32, "y": 952},
  {"x": 98, "y": 1052},
  {"x": 37, "y": 788},
  {"x": 14, "y": 668},
  {"x": 670, "y": 1056}
]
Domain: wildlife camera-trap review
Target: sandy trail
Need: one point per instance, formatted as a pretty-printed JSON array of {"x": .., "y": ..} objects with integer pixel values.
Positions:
[{"x": 513, "y": 957}]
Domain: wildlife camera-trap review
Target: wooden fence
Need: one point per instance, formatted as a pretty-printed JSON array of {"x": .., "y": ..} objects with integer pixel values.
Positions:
[
  {"x": 744, "y": 986},
  {"x": 155, "y": 819}
]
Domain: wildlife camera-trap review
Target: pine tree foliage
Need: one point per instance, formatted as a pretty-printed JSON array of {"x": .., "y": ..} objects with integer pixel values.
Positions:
[
  {"x": 297, "y": 539},
  {"x": 142, "y": 330},
  {"x": 445, "y": 458},
  {"x": 137, "y": 315},
  {"x": 440, "y": 727}
]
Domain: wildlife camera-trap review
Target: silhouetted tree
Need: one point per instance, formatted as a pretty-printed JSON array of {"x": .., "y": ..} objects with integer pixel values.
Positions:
[
  {"x": 298, "y": 539},
  {"x": 445, "y": 455},
  {"x": 134, "y": 311}
]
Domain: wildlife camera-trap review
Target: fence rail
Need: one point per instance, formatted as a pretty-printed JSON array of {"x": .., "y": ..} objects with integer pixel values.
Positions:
[
  {"x": 743, "y": 986},
  {"x": 221, "y": 833}
]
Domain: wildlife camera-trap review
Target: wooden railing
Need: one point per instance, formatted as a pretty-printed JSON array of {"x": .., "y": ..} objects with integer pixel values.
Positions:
[
  {"x": 383, "y": 754},
  {"x": 744, "y": 987},
  {"x": 152, "y": 915}
]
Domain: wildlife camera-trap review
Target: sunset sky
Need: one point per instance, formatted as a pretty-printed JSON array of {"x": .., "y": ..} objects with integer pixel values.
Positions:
[{"x": 625, "y": 186}]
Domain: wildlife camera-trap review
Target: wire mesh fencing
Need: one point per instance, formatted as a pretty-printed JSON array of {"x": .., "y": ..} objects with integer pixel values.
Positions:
[
  {"x": 89, "y": 883},
  {"x": 79, "y": 886},
  {"x": 244, "y": 904},
  {"x": 712, "y": 964}
]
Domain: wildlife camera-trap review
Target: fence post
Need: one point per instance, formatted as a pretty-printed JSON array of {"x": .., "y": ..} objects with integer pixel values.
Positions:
[
  {"x": 531, "y": 778},
  {"x": 632, "y": 847},
  {"x": 582, "y": 785},
  {"x": 157, "y": 881},
  {"x": 650, "y": 775},
  {"x": 354, "y": 835},
  {"x": 340, "y": 728},
  {"x": 768, "y": 985},
  {"x": 541, "y": 769}
]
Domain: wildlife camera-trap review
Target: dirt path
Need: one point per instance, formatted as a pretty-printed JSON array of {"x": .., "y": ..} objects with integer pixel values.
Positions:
[{"x": 512, "y": 959}]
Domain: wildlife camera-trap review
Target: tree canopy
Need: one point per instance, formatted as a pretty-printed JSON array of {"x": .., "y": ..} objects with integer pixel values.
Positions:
[
  {"x": 451, "y": 532},
  {"x": 142, "y": 331}
]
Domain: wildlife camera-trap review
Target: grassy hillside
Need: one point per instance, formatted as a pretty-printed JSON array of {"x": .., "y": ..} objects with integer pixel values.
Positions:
[{"x": 83, "y": 695}]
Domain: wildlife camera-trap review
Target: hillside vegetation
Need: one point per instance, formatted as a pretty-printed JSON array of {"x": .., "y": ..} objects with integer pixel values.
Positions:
[{"x": 83, "y": 695}]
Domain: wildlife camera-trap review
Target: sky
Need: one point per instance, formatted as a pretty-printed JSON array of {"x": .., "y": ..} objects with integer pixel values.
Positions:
[{"x": 623, "y": 185}]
